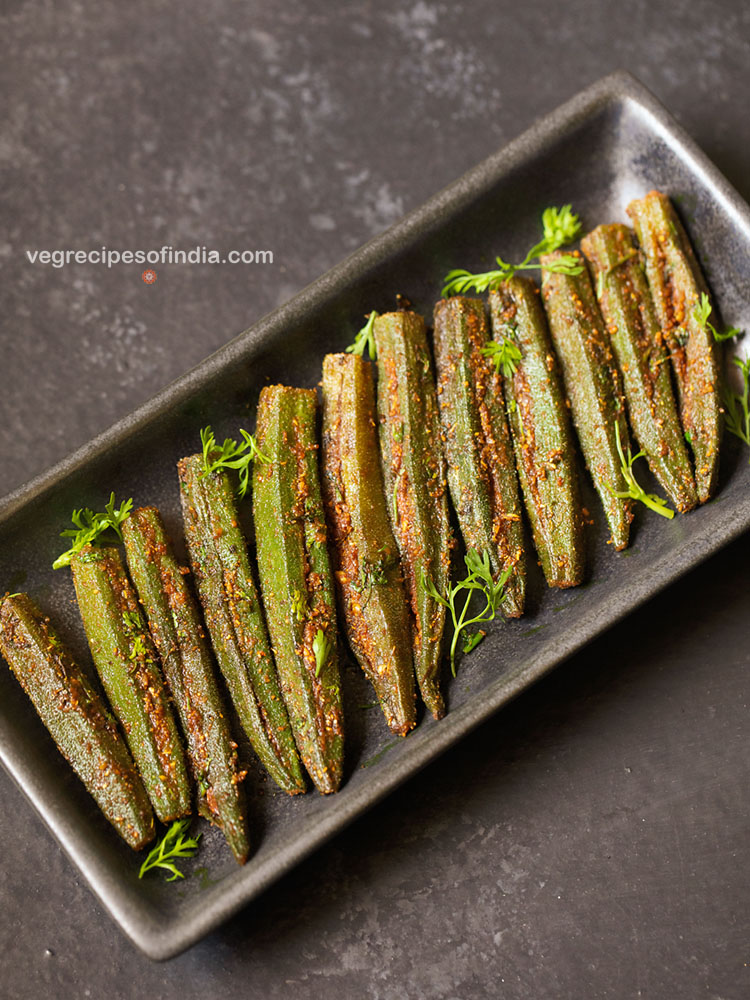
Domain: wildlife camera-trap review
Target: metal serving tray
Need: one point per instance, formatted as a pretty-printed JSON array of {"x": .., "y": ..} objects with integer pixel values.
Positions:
[{"x": 612, "y": 142}]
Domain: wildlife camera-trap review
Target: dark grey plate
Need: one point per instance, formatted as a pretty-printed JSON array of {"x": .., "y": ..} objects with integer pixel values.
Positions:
[{"x": 610, "y": 143}]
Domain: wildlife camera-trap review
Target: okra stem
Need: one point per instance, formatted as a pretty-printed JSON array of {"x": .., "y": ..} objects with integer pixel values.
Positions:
[
  {"x": 638, "y": 344},
  {"x": 414, "y": 475},
  {"x": 366, "y": 560},
  {"x": 296, "y": 579},
  {"x": 541, "y": 433},
  {"x": 76, "y": 717},
  {"x": 178, "y": 635},
  {"x": 592, "y": 384},
  {"x": 220, "y": 563},
  {"x": 127, "y": 663},
  {"x": 676, "y": 284}
]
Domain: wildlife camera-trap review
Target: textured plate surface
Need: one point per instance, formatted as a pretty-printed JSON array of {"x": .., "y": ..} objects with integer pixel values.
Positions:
[{"x": 609, "y": 144}]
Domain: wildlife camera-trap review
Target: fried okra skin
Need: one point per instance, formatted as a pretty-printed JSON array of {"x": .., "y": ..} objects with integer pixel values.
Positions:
[
  {"x": 541, "y": 432},
  {"x": 676, "y": 284},
  {"x": 177, "y": 631},
  {"x": 479, "y": 450},
  {"x": 365, "y": 556},
  {"x": 414, "y": 475},
  {"x": 76, "y": 718},
  {"x": 640, "y": 350},
  {"x": 296, "y": 578},
  {"x": 127, "y": 663},
  {"x": 592, "y": 384},
  {"x": 234, "y": 618}
]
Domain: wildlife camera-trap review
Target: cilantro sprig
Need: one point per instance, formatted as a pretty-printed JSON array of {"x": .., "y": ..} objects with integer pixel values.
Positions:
[
  {"x": 701, "y": 313},
  {"x": 559, "y": 225},
  {"x": 737, "y": 404},
  {"x": 365, "y": 339},
  {"x": 90, "y": 526},
  {"x": 237, "y": 455},
  {"x": 172, "y": 845},
  {"x": 478, "y": 580},
  {"x": 635, "y": 491},
  {"x": 503, "y": 353}
]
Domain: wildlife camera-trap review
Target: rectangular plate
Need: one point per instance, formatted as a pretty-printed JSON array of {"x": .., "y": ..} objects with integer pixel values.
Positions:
[{"x": 610, "y": 143}]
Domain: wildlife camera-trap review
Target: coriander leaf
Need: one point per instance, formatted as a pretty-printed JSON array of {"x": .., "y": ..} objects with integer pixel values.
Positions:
[
  {"x": 737, "y": 404},
  {"x": 635, "y": 491},
  {"x": 701, "y": 314},
  {"x": 479, "y": 579},
  {"x": 702, "y": 310},
  {"x": 89, "y": 526},
  {"x": 459, "y": 281},
  {"x": 237, "y": 455},
  {"x": 172, "y": 845},
  {"x": 322, "y": 647},
  {"x": 365, "y": 338},
  {"x": 559, "y": 225},
  {"x": 505, "y": 355},
  {"x": 138, "y": 649}
]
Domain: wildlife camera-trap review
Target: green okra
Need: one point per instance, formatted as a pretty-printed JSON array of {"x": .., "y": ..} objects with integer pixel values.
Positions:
[
  {"x": 592, "y": 384},
  {"x": 127, "y": 663},
  {"x": 296, "y": 579},
  {"x": 366, "y": 559},
  {"x": 76, "y": 717},
  {"x": 541, "y": 433},
  {"x": 179, "y": 638},
  {"x": 221, "y": 566},
  {"x": 676, "y": 285},
  {"x": 478, "y": 446},
  {"x": 414, "y": 476},
  {"x": 639, "y": 348}
]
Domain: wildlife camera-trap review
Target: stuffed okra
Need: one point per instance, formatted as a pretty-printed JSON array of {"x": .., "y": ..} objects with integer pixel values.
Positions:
[
  {"x": 592, "y": 384},
  {"x": 188, "y": 668},
  {"x": 76, "y": 717},
  {"x": 541, "y": 433},
  {"x": 296, "y": 579},
  {"x": 127, "y": 663},
  {"x": 676, "y": 285},
  {"x": 639, "y": 347},
  {"x": 366, "y": 560},
  {"x": 479, "y": 451},
  {"x": 221, "y": 566},
  {"x": 415, "y": 479}
]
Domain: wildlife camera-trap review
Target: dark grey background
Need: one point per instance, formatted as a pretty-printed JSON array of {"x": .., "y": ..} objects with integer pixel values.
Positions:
[{"x": 592, "y": 840}]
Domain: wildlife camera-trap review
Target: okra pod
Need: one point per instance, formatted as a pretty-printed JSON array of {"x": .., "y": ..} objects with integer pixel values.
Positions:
[
  {"x": 639, "y": 348},
  {"x": 592, "y": 384},
  {"x": 127, "y": 663},
  {"x": 221, "y": 566},
  {"x": 296, "y": 578},
  {"x": 76, "y": 717},
  {"x": 541, "y": 433},
  {"x": 479, "y": 450},
  {"x": 414, "y": 476},
  {"x": 676, "y": 285},
  {"x": 366, "y": 560},
  {"x": 179, "y": 638}
]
